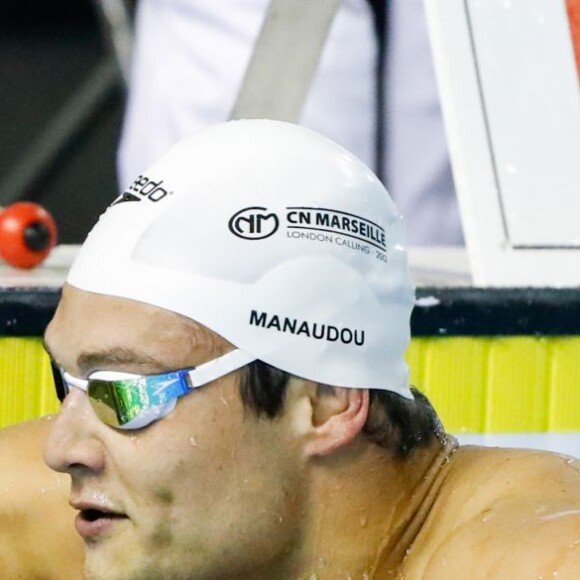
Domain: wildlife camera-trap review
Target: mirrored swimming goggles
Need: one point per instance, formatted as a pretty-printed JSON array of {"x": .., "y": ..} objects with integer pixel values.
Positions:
[{"x": 128, "y": 401}]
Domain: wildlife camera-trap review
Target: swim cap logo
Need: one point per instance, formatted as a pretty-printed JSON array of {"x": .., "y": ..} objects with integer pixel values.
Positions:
[
  {"x": 253, "y": 223},
  {"x": 143, "y": 188}
]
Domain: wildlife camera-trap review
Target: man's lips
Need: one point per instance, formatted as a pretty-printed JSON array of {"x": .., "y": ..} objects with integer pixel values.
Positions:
[{"x": 94, "y": 520}]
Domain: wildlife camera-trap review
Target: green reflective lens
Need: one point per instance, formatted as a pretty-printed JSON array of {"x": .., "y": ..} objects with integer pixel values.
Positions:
[{"x": 118, "y": 402}]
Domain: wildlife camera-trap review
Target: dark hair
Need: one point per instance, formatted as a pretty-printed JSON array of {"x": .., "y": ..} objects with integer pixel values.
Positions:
[{"x": 395, "y": 423}]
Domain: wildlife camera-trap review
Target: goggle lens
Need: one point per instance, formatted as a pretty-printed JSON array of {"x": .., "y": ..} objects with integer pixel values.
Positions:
[
  {"x": 128, "y": 401},
  {"x": 118, "y": 402}
]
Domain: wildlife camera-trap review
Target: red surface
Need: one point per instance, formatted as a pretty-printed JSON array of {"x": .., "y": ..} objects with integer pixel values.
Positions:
[
  {"x": 13, "y": 221},
  {"x": 574, "y": 17}
]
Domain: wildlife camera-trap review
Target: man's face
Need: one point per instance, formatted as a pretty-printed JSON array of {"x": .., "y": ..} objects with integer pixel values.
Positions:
[{"x": 210, "y": 491}]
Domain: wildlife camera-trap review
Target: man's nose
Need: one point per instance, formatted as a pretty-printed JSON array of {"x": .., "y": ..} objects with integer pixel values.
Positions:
[{"x": 73, "y": 444}]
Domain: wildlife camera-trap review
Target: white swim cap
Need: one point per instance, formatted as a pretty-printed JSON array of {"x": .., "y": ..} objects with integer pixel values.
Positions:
[{"x": 273, "y": 237}]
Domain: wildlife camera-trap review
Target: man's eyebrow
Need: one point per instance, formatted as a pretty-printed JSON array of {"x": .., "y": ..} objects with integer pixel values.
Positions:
[
  {"x": 90, "y": 361},
  {"x": 121, "y": 355}
]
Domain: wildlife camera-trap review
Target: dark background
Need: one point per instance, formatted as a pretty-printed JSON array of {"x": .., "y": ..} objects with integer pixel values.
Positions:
[{"x": 48, "y": 48}]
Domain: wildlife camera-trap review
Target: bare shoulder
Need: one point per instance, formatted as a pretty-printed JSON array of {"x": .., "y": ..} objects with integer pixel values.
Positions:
[
  {"x": 22, "y": 468},
  {"x": 36, "y": 522},
  {"x": 21, "y": 465},
  {"x": 23, "y": 437},
  {"x": 517, "y": 516}
]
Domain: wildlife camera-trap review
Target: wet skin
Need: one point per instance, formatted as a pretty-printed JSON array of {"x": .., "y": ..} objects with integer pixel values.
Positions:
[
  {"x": 484, "y": 524},
  {"x": 212, "y": 491},
  {"x": 199, "y": 490},
  {"x": 502, "y": 514},
  {"x": 37, "y": 535}
]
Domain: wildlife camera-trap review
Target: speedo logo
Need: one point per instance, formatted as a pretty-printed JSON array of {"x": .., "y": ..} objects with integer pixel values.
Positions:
[
  {"x": 143, "y": 188},
  {"x": 306, "y": 328}
]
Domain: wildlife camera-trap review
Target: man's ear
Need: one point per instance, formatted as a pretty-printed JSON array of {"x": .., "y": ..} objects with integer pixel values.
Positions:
[{"x": 338, "y": 416}]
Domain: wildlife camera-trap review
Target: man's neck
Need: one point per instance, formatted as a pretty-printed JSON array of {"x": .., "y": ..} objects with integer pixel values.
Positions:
[{"x": 367, "y": 509}]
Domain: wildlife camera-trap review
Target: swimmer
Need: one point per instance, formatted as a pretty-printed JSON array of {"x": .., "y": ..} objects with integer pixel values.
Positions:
[
  {"x": 236, "y": 402},
  {"x": 37, "y": 535}
]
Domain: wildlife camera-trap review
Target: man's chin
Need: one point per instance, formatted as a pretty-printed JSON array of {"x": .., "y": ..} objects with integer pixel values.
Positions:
[{"x": 111, "y": 559}]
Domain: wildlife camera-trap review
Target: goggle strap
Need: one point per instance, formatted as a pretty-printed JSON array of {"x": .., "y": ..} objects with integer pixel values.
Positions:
[
  {"x": 81, "y": 384},
  {"x": 217, "y": 368}
]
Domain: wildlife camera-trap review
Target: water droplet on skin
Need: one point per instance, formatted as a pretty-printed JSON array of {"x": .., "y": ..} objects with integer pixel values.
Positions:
[
  {"x": 192, "y": 442},
  {"x": 99, "y": 497},
  {"x": 363, "y": 522},
  {"x": 487, "y": 515}
]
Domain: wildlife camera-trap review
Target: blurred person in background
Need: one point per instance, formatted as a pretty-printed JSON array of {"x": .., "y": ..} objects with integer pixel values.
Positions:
[{"x": 189, "y": 61}]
